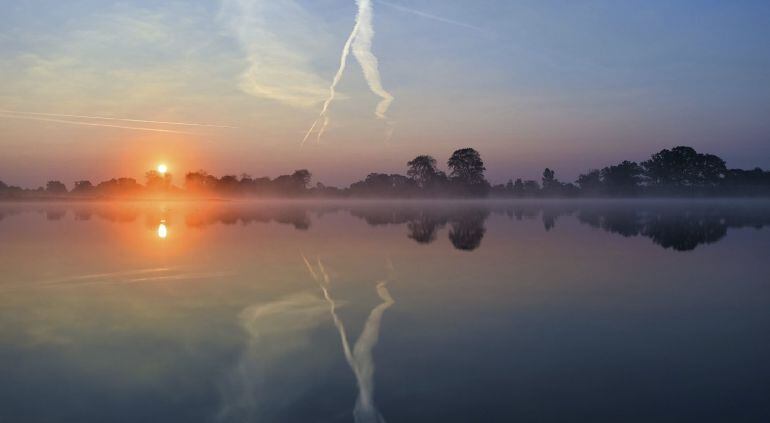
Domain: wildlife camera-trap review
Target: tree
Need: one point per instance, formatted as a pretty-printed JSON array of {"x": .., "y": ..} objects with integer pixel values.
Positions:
[
  {"x": 83, "y": 187},
  {"x": 384, "y": 185},
  {"x": 55, "y": 187},
  {"x": 422, "y": 169},
  {"x": 467, "y": 171},
  {"x": 301, "y": 178},
  {"x": 120, "y": 186},
  {"x": 549, "y": 178},
  {"x": 591, "y": 182},
  {"x": 157, "y": 181},
  {"x": 551, "y": 185},
  {"x": 622, "y": 179},
  {"x": 200, "y": 181},
  {"x": 682, "y": 169},
  {"x": 228, "y": 184}
]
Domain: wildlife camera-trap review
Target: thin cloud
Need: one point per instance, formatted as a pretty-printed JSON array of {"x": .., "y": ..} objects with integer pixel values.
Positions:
[
  {"x": 103, "y": 125},
  {"x": 432, "y": 16},
  {"x": 276, "y": 37}
]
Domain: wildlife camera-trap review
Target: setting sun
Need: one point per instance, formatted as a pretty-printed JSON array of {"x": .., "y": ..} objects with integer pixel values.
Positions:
[{"x": 162, "y": 168}]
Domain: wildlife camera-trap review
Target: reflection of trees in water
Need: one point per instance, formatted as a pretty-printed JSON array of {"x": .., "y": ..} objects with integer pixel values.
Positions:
[
  {"x": 424, "y": 220},
  {"x": 295, "y": 216},
  {"x": 677, "y": 225},
  {"x": 424, "y": 229},
  {"x": 684, "y": 233},
  {"x": 468, "y": 229}
]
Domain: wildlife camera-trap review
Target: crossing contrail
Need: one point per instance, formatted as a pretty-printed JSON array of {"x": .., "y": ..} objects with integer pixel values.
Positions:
[
  {"x": 360, "y": 41},
  {"x": 432, "y": 16},
  {"x": 332, "y": 88},
  {"x": 103, "y": 125},
  {"x": 160, "y": 122}
]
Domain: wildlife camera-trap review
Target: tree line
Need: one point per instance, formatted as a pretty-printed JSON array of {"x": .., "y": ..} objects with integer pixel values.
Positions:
[{"x": 680, "y": 171}]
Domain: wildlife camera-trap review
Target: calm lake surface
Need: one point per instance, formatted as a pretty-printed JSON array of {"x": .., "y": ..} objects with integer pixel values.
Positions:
[{"x": 575, "y": 311}]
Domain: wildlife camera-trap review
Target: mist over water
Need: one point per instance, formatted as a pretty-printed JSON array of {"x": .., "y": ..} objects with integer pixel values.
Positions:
[{"x": 366, "y": 311}]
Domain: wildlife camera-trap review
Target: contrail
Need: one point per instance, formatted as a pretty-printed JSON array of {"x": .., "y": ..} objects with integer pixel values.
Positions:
[
  {"x": 362, "y": 50},
  {"x": 360, "y": 40},
  {"x": 161, "y": 122},
  {"x": 333, "y": 86},
  {"x": 103, "y": 125},
  {"x": 432, "y": 17}
]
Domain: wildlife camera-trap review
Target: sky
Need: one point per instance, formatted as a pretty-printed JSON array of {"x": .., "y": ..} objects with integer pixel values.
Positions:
[{"x": 234, "y": 86}]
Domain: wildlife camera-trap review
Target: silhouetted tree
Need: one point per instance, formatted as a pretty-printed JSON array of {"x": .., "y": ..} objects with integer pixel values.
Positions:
[
  {"x": 157, "y": 181},
  {"x": 119, "y": 187},
  {"x": 591, "y": 183},
  {"x": 551, "y": 185},
  {"x": 467, "y": 172},
  {"x": 683, "y": 170},
  {"x": 200, "y": 181},
  {"x": 422, "y": 169},
  {"x": 55, "y": 187},
  {"x": 83, "y": 188},
  {"x": 746, "y": 182},
  {"x": 301, "y": 178},
  {"x": 384, "y": 185},
  {"x": 622, "y": 179},
  {"x": 228, "y": 185}
]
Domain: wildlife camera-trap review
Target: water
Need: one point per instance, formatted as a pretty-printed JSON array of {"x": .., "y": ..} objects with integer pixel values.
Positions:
[{"x": 400, "y": 312}]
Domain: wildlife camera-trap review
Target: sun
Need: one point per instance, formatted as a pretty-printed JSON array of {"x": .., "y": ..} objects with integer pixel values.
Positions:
[{"x": 162, "y": 168}]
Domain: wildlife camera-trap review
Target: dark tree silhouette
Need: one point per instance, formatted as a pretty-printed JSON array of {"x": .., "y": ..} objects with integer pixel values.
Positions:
[
  {"x": 591, "y": 183},
  {"x": 622, "y": 179},
  {"x": 422, "y": 169},
  {"x": 157, "y": 181},
  {"x": 683, "y": 170},
  {"x": 467, "y": 172},
  {"x": 83, "y": 188},
  {"x": 679, "y": 171},
  {"x": 55, "y": 187}
]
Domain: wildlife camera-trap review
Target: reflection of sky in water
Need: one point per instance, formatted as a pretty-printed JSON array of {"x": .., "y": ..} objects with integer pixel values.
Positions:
[{"x": 532, "y": 312}]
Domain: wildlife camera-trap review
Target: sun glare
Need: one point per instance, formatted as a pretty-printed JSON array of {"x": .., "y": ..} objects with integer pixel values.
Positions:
[
  {"x": 162, "y": 230},
  {"x": 162, "y": 168}
]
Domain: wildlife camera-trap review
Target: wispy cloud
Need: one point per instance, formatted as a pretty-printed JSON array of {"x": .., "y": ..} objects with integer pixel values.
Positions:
[{"x": 278, "y": 63}]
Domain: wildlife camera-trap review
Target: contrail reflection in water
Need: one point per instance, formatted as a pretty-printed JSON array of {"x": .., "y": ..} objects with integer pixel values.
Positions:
[{"x": 360, "y": 358}]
